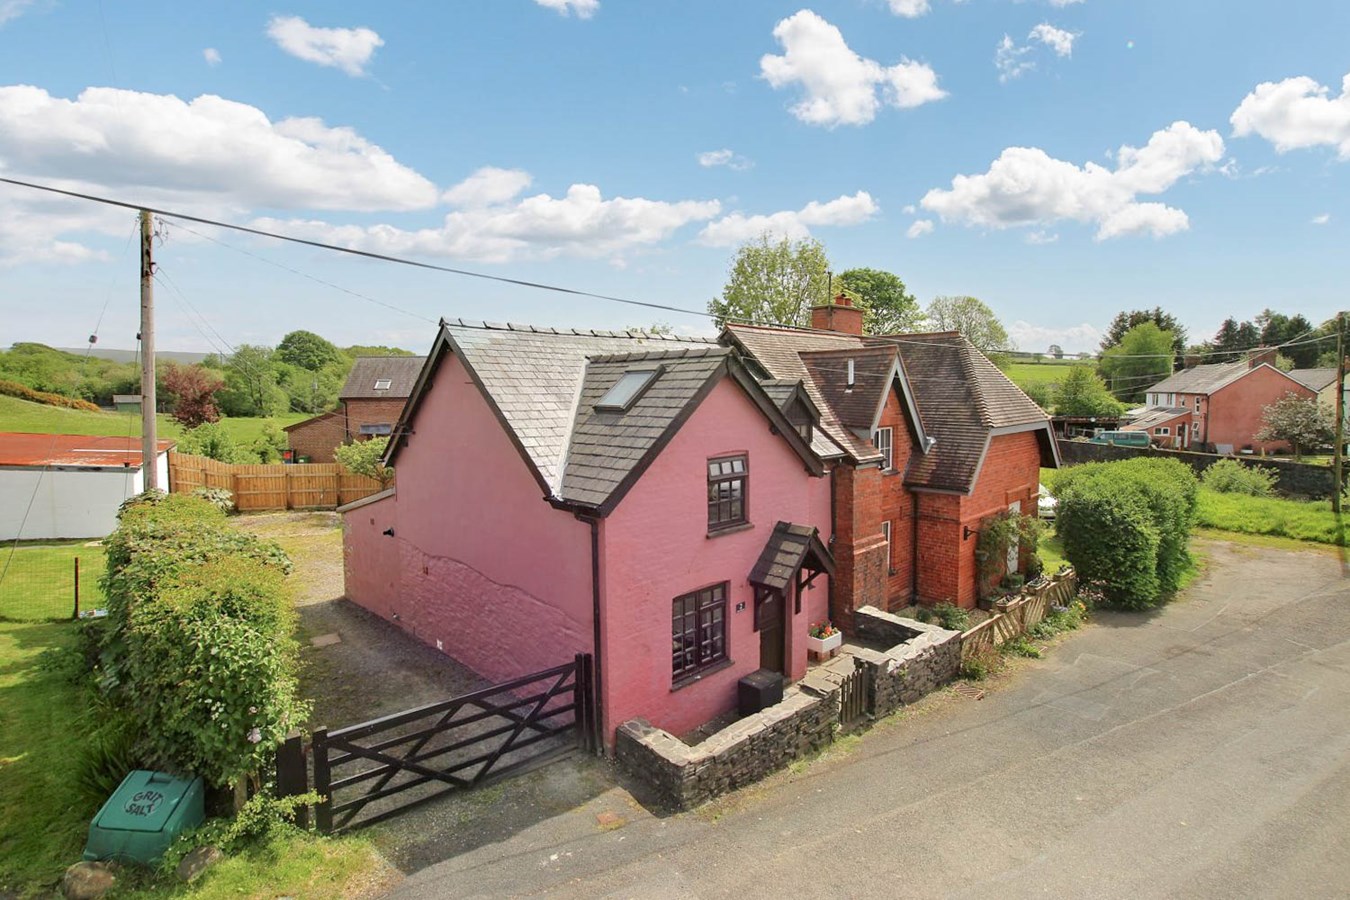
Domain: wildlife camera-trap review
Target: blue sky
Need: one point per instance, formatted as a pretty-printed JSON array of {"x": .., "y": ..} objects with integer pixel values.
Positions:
[{"x": 626, "y": 147}]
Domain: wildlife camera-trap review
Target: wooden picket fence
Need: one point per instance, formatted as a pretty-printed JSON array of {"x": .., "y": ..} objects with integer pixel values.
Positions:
[
  {"x": 1020, "y": 614},
  {"x": 276, "y": 486}
]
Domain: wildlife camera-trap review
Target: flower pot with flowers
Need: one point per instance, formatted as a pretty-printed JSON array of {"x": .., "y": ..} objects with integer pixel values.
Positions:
[{"x": 823, "y": 640}]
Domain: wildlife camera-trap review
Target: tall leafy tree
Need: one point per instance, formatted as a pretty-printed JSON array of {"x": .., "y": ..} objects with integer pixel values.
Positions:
[
  {"x": 891, "y": 308},
  {"x": 1127, "y": 319},
  {"x": 1143, "y": 357},
  {"x": 251, "y": 383},
  {"x": 306, "y": 350},
  {"x": 774, "y": 282},
  {"x": 1083, "y": 393},
  {"x": 973, "y": 319},
  {"x": 193, "y": 390}
]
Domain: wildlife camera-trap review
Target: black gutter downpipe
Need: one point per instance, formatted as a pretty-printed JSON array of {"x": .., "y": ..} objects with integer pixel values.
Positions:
[{"x": 595, "y": 656}]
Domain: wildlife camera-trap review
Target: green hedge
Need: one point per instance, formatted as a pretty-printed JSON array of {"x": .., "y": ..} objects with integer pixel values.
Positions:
[
  {"x": 1126, "y": 526},
  {"x": 24, "y": 392},
  {"x": 199, "y": 651}
]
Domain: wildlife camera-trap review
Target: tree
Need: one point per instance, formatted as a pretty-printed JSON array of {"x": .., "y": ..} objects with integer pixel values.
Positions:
[
  {"x": 194, "y": 394},
  {"x": 211, "y": 440},
  {"x": 1083, "y": 393},
  {"x": 251, "y": 387},
  {"x": 1056, "y": 351},
  {"x": 306, "y": 350},
  {"x": 774, "y": 283},
  {"x": 363, "y": 458},
  {"x": 1143, "y": 357},
  {"x": 1301, "y": 421},
  {"x": 974, "y": 320},
  {"x": 891, "y": 308},
  {"x": 1128, "y": 319}
]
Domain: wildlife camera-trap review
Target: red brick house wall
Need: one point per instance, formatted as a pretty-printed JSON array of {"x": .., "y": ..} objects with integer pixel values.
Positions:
[
  {"x": 371, "y": 412},
  {"x": 897, "y": 507},
  {"x": 941, "y": 553},
  {"x": 859, "y": 548},
  {"x": 1235, "y": 410},
  {"x": 317, "y": 437}
]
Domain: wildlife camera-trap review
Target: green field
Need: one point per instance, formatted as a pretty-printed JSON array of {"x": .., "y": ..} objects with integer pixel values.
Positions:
[
  {"x": 1272, "y": 516},
  {"x": 1037, "y": 374},
  {"x": 23, "y": 415},
  {"x": 39, "y": 582}
]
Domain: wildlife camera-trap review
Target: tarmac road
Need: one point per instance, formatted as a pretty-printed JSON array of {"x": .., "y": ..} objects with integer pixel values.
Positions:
[{"x": 1201, "y": 751}]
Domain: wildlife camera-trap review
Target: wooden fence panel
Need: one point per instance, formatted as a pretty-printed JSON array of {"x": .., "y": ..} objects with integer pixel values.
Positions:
[
  {"x": 1019, "y": 615},
  {"x": 272, "y": 486}
]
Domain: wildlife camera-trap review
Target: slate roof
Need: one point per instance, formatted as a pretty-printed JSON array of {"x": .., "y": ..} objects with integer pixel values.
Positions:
[
  {"x": 1204, "y": 379},
  {"x": 402, "y": 372},
  {"x": 855, "y": 406},
  {"x": 605, "y": 447},
  {"x": 961, "y": 397},
  {"x": 1314, "y": 379},
  {"x": 1154, "y": 417},
  {"x": 784, "y": 553}
]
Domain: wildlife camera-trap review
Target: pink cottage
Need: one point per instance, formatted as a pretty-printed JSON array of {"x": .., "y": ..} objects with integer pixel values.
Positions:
[{"x": 639, "y": 497}]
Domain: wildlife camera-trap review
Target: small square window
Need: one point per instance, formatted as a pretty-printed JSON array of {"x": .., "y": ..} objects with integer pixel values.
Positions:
[
  {"x": 728, "y": 482},
  {"x": 383, "y": 384}
]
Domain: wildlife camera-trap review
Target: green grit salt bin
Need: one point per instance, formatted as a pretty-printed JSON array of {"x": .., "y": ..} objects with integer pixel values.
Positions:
[{"x": 144, "y": 816}]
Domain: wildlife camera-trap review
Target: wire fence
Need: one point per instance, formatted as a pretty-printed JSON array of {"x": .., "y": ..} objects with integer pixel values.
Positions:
[{"x": 50, "y": 580}]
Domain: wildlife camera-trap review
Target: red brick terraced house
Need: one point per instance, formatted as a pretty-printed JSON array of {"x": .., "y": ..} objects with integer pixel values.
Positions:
[
  {"x": 369, "y": 405},
  {"x": 925, "y": 439}
]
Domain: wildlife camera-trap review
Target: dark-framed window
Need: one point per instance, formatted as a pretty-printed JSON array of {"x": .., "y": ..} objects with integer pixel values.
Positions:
[
  {"x": 728, "y": 488},
  {"x": 698, "y": 630}
]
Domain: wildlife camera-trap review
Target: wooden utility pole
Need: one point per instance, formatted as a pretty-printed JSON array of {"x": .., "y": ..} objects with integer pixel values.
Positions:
[
  {"x": 1338, "y": 460},
  {"x": 149, "y": 439}
]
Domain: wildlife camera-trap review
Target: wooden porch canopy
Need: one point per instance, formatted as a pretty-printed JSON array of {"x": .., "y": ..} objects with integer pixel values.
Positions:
[{"x": 789, "y": 549}]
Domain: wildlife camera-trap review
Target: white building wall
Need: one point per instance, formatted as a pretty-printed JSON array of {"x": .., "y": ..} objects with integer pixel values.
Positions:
[{"x": 69, "y": 503}]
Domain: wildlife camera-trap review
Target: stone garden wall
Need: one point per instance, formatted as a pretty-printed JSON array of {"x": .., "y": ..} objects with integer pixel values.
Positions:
[{"x": 924, "y": 658}]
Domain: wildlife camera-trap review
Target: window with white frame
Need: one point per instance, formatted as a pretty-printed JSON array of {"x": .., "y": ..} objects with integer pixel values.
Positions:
[
  {"x": 882, "y": 439},
  {"x": 886, "y": 533},
  {"x": 1195, "y": 429},
  {"x": 1163, "y": 430}
]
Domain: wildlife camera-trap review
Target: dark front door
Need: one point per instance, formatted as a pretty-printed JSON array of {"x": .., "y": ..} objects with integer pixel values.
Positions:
[{"x": 772, "y": 613}]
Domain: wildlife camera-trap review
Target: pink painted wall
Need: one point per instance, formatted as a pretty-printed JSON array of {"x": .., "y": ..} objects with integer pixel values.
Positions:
[
  {"x": 655, "y": 548},
  {"x": 486, "y": 566},
  {"x": 1236, "y": 410},
  {"x": 370, "y": 559}
]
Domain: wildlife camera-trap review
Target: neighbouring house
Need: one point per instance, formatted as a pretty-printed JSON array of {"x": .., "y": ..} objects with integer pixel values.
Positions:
[
  {"x": 1218, "y": 407},
  {"x": 643, "y": 498},
  {"x": 1321, "y": 381},
  {"x": 369, "y": 405},
  {"x": 69, "y": 486},
  {"x": 926, "y": 439}
]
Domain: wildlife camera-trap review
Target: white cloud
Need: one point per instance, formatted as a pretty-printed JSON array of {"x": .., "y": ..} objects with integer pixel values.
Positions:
[
  {"x": 839, "y": 86},
  {"x": 919, "y": 228},
  {"x": 488, "y": 186},
  {"x": 1057, "y": 39},
  {"x": 1063, "y": 3},
  {"x": 1296, "y": 113},
  {"x": 207, "y": 151},
  {"x": 1008, "y": 59},
  {"x": 724, "y": 157},
  {"x": 581, "y": 223},
  {"x": 791, "y": 224},
  {"x": 910, "y": 9},
  {"x": 1026, "y": 186},
  {"x": 1038, "y": 238},
  {"x": 212, "y": 56},
  {"x": 12, "y": 9},
  {"x": 584, "y": 9},
  {"x": 348, "y": 49},
  {"x": 1073, "y": 339},
  {"x": 1323, "y": 219}
]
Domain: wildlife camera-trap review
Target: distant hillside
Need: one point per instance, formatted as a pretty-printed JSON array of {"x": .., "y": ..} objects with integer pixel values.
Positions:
[{"x": 182, "y": 357}]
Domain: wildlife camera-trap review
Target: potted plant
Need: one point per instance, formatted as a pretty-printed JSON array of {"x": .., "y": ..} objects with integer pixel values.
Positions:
[{"x": 823, "y": 640}]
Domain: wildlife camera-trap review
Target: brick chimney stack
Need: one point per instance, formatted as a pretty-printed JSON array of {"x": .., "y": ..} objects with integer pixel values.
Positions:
[
  {"x": 1261, "y": 355},
  {"x": 838, "y": 315}
]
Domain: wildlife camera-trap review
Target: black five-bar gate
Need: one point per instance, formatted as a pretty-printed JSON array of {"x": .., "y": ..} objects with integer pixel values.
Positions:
[{"x": 369, "y": 772}]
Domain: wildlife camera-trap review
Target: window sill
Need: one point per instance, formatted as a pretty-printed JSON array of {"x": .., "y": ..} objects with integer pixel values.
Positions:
[
  {"x": 731, "y": 529},
  {"x": 701, "y": 674}
]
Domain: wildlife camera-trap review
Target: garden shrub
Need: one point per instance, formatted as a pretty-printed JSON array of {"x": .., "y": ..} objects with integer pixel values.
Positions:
[
  {"x": 220, "y": 498},
  {"x": 1228, "y": 476},
  {"x": 1126, "y": 526},
  {"x": 951, "y": 616},
  {"x": 23, "y": 392}
]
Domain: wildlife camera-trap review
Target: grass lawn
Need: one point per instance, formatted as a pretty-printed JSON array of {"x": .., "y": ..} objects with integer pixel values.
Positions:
[
  {"x": 1274, "y": 516},
  {"x": 44, "y": 817},
  {"x": 1051, "y": 551},
  {"x": 40, "y": 581},
  {"x": 23, "y": 415},
  {"x": 1029, "y": 374}
]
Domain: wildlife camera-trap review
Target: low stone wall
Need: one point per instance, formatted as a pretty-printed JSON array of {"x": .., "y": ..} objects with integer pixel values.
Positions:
[
  {"x": 804, "y": 722},
  {"x": 1300, "y": 479}
]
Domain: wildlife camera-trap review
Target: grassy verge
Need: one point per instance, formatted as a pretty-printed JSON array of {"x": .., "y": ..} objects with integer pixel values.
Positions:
[
  {"x": 40, "y": 580},
  {"x": 1271, "y": 516},
  {"x": 1051, "y": 551},
  {"x": 37, "y": 418},
  {"x": 44, "y": 816}
]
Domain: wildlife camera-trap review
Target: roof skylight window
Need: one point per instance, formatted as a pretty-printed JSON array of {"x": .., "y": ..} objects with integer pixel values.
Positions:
[
  {"x": 383, "y": 384},
  {"x": 626, "y": 390}
]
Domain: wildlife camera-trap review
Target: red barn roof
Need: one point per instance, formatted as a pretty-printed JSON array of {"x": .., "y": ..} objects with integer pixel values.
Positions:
[{"x": 85, "y": 451}]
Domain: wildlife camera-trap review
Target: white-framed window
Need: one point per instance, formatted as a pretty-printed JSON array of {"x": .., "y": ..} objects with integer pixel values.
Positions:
[
  {"x": 383, "y": 384},
  {"x": 1163, "y": 430},
  {"x": 886, "y": 533},
  {"x": 882, "y": 439},
  {"x": 1197, "y": 404},
  {"x": 1195, "y": 429}
]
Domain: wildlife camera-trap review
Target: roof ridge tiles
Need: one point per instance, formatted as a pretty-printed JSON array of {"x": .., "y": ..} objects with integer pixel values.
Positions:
[{"x": 673, "y": 353}]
